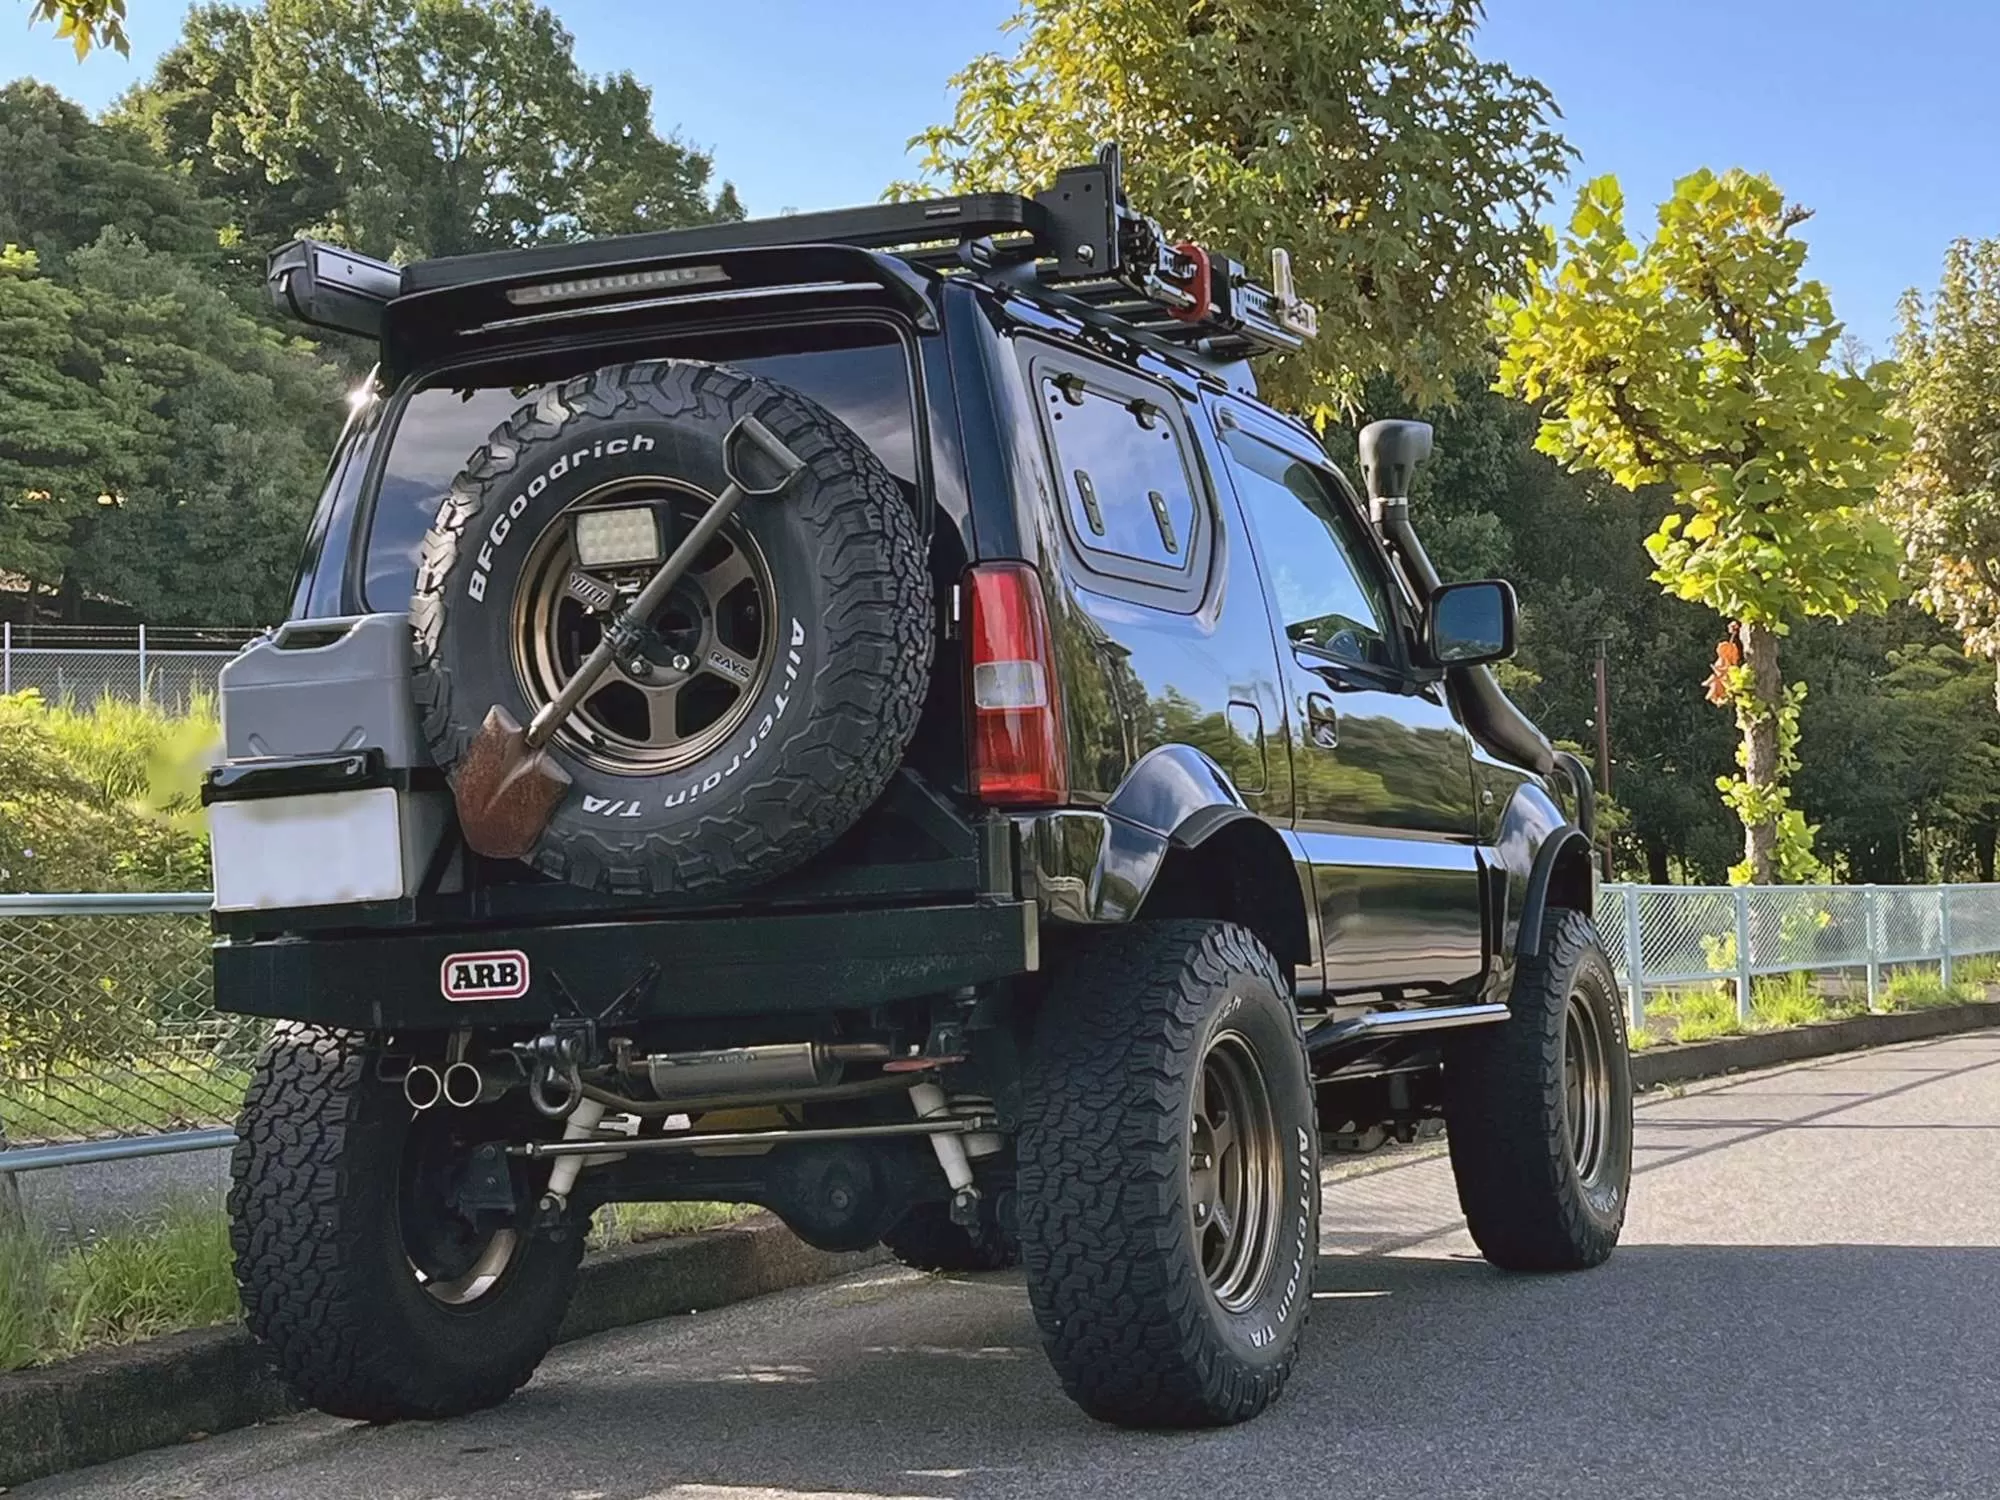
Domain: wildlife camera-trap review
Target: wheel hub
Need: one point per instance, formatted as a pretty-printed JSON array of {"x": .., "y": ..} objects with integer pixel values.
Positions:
[
  {"x": 699, "y": 663},
  {"x": 1235, "y": 1173}
]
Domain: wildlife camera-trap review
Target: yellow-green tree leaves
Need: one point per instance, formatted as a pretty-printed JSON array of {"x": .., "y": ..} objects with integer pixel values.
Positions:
[
  {"x": 1946, "y": 498},
  {"x": 1706, "y": 361}
]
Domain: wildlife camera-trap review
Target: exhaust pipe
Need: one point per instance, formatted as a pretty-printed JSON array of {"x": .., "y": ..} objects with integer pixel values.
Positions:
[
  {"x": 421, "y": 1086},
  {"x": 463, "y": 1085}
]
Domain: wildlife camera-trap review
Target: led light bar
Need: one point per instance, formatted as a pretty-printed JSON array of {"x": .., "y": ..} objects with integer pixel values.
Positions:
[
  {"x": 617, "y": 538},
  {"x": 625, "y": 281}
]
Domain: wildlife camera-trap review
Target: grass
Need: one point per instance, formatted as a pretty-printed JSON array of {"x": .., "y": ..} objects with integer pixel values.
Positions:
[
  {"x": 1779, "y": 1001},
  {"x": 630, "y": 1223},
  {"x": 170, "y": 1273},
  {"x": 1922, "y": 989},
  {"x": 1693, "y": 1015},
  {"x": 173, "y": 1272},
  {"x": 121, "y": 1101}
]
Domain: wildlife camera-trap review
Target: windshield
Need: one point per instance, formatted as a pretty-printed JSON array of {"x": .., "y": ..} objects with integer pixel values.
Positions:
[{"x": 860, "y": 373}]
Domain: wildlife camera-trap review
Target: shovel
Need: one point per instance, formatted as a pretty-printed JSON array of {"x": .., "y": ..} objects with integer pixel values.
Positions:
[{"x": 508, "y": 786}]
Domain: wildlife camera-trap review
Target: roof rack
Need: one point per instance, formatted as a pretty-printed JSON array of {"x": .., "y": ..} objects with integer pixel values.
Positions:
[{"x": 1077, "y": 246}]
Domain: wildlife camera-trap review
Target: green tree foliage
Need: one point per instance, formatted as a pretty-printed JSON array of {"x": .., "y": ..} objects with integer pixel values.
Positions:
[
  {"x": 1946, "y": 499},
  {"x": 1402, "y": 171},
  {"x": 87, "y": 23},
  {"x": 65, "y": 179},
  {"x": 1705, "y": 362},
  {"x": 158, "y": 446},
  {"x": 410, "y": 128}
]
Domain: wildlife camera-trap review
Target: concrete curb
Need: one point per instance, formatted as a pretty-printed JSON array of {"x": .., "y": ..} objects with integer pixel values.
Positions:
[
  {"x": 114, "y": 1402},
  {"x": 1682, "y": 1062}
]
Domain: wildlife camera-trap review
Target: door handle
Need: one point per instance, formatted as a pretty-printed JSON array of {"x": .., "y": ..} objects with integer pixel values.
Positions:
[{"x": 1322, "y": 721}]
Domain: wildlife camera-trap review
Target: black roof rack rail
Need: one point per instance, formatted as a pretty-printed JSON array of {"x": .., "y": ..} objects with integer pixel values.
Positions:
[{"x": 1076, "y": 246}]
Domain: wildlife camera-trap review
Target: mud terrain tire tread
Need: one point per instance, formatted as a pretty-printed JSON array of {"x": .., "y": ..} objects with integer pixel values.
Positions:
[
  {"x": 1505, "y": 1120},
  {"x": 316, "y": 1263},
  {"x": 1106, "y": 1236}
]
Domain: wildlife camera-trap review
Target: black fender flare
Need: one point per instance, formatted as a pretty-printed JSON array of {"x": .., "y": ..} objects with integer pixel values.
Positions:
[
  {"x": 1100, "y": 866},
  {"x": 1565, "y": 842}
]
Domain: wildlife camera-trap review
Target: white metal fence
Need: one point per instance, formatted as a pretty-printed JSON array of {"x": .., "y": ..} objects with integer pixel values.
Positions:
[
  {"x": 166, "y": 666},
  {"x": 1668, "y": 937},
  {"x": 110, "y": 1045}
]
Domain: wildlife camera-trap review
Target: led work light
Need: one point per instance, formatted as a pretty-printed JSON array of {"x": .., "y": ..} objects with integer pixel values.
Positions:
[{"x": 617, "y": 538}]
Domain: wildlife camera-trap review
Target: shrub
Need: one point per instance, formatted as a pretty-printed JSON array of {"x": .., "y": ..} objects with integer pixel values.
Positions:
[{"x": 104, "y": 799}]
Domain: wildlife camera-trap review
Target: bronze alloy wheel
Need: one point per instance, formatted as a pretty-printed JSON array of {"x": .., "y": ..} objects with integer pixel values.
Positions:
[
  {"x": 706, "y": 654},
  {"x": 1235, "y": 1172},
  {"x": 1586, "y": 1088},
  {"x": 455, "y": 1261}
]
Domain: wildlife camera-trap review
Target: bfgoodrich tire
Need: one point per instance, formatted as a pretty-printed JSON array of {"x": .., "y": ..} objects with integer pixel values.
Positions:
[
  {"x": 1538, "y": 1111},
  {"x": 333, "y": 1229},
  {"x": 778, "y": 686},
  {"x": 1169, "y": 1175}
]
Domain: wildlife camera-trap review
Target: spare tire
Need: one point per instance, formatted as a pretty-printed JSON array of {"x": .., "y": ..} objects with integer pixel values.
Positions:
[{"x": 775, "y": 691}]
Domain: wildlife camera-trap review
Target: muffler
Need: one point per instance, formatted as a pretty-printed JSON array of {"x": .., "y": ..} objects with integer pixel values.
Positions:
[{"x": 731, "y": 1072}]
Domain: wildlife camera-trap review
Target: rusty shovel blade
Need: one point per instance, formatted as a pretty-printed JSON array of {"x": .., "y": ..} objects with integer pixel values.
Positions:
[{"x": 505, "y": 791}]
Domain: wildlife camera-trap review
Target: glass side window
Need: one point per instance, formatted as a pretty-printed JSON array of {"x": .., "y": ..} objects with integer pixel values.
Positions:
[
  {"x": 1313, "y": 552},
  {"x": 1122, "y": 473}
]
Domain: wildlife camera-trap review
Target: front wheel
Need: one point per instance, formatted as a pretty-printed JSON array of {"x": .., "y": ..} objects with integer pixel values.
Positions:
[
  {"x": 1538, "y": 1111},
  {"x": 380, "y": 1295},
  {"x": 1169, "y": 1175}
]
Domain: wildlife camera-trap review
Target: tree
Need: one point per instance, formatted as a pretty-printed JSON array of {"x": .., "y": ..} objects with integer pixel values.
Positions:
[
  {"x": 1704, "y": 361},
  {"x": 1401, "y": 171},
  {"x": 412, "y": 128},
  {"x": 65, "y": 179},
  {"x": 158, "y": 446},
  {"x": 1946, "y": 498},
  {"x": 87, "y": 23},
  {"x": 60, "y": 443}
]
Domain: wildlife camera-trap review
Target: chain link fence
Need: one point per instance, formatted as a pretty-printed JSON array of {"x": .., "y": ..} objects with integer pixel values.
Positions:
[
  {"x": 1669, "y": 937},
  {"x": 110, "y": 1046},
  {"x": 169, "y": 668},
  {"x": 107, "y": 1030}
]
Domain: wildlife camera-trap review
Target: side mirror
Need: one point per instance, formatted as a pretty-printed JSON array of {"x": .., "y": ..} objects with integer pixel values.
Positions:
[{"x": 1470, "y": 623}]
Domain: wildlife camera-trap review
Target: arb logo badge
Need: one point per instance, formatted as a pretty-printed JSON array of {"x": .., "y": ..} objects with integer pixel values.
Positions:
[{"x": 485, "y": 976}]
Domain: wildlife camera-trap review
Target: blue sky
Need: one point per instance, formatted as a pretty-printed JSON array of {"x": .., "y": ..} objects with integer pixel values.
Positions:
[{"x": 1884, "y": 118}]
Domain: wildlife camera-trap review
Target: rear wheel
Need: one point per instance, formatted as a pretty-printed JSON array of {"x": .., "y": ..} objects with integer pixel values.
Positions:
[
  {"x": 1169, "y": 1175},
  {"x": 379, "y": 1296},
  {"x": 1538, "y": 1111}
]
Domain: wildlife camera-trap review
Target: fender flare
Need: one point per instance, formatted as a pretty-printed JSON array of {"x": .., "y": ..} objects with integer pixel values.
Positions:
[
  {"x": 1541, "y": 878},
  {"x": 1099, "y": 867}
]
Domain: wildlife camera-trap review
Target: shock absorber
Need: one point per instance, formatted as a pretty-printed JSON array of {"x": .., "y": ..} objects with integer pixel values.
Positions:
[{"x": 951, "y": 1154}]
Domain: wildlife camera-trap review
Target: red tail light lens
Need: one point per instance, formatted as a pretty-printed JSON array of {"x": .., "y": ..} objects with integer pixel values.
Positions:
[{"x": 1019, "y": 757}]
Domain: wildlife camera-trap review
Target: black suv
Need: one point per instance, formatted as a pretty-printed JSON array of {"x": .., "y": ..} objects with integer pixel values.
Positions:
[{"x": 867, "y": 714}]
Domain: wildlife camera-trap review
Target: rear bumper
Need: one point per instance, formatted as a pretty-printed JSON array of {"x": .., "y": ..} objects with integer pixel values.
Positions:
[{"x": 768, "y": 964}]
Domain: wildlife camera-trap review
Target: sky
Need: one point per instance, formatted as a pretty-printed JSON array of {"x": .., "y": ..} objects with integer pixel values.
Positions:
[{"x": 1883, "y": 118}]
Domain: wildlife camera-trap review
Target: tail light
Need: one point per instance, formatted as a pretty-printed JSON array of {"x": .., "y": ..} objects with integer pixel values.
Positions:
[{"x": 1018, "y": 752}]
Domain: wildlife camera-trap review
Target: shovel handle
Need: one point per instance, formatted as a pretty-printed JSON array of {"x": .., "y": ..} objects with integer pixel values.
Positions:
[{"x": 620, "y": 634}]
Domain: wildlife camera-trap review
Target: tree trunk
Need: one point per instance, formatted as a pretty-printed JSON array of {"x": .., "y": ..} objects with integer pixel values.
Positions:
[
  {"x": 1656, "y": 862},
  {"x": 1759, "y": 724},
  {"x": 1983, "y": 849}
]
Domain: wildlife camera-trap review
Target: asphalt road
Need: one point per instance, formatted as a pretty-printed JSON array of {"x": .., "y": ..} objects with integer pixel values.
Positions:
[{"x": 1807, "y": 1303}]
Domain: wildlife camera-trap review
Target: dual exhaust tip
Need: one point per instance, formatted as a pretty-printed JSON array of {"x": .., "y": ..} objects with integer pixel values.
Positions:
[{"x": 459, "y": 1085}]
